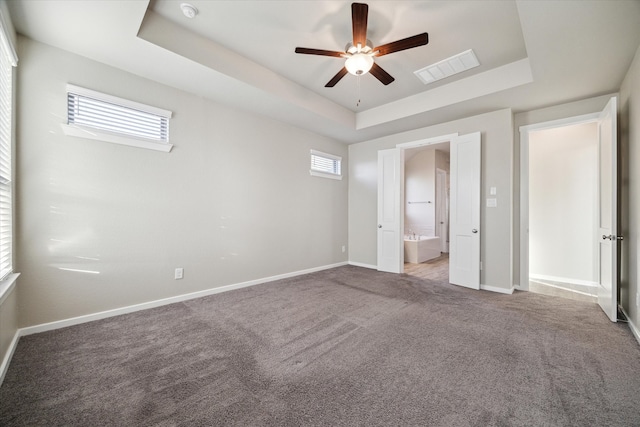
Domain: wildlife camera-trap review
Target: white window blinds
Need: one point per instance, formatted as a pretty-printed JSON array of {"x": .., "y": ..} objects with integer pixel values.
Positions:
[
  {"x": 326, "y": 165},
  {"x": 103, "y": 112},
  {"x": 8, "y": 60}
]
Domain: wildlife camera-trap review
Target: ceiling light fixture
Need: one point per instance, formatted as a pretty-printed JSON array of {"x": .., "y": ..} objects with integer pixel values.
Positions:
[
  {"x": 189, "y": 10},
  {"x": 359, "y": 64},
  {"x": 359, "y": 59}
]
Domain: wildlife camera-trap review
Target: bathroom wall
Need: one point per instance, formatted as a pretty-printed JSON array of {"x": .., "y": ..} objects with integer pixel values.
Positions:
[
  {"x": 420, "y": 193},
  {"x": 420, "y": 190}
]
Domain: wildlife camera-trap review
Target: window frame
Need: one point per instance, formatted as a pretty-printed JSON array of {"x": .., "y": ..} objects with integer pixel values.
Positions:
[
  {"x": 84, "y": 131},
  {"x": 8, "y": 62},
  {"x": 324, "y": 173}
]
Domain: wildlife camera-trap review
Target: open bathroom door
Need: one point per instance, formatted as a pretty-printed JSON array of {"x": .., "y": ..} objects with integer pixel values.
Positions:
[
  {"x": 464, "y": 221},
  {"x": 607, "y": 211},
  {"x": 390, "y": 250}
]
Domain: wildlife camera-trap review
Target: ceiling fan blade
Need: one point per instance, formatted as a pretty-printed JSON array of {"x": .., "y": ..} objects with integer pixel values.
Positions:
[
  {"x": 337, "y": 78},
  {"x": 380, "y": 74},
  {"x": 408, "y": 43},
  {"x": 359, "y": 12},
  {"x": 320, "y": 52}
]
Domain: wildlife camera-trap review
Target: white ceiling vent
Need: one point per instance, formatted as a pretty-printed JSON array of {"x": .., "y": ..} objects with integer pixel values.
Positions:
[{"x": 448, "y": 67}]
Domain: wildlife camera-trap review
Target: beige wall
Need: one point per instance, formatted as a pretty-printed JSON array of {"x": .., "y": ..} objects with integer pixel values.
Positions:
[
  {"x": 233, "y": 202},
  {"x": 629, "y": 129},
  {"x": 497, "y": 133}
]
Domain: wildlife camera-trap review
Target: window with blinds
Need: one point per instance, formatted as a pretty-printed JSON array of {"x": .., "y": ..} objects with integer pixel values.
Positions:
[
  {"x": 326, "y": 165},
  {"x": 7, "y": 62},
  {"x": 118, "y": 120}
]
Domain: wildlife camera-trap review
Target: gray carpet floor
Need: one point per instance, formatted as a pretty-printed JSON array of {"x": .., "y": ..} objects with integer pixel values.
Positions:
[{"x": 346, "y": 346}]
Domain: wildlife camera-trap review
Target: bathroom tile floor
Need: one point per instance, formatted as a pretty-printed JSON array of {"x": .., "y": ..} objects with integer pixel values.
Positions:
[{"x": 434, "y": 269}]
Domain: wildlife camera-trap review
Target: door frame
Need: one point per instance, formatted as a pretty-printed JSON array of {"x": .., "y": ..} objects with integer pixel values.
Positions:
[
  {"x": 443, "y": 237},
  {"x": 404, "y": 146},
  {"x": 524, "y": 184}
]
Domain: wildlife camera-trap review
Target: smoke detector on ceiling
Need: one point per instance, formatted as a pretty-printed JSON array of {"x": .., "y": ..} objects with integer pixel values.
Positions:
[{"x": 189, "y": 10}]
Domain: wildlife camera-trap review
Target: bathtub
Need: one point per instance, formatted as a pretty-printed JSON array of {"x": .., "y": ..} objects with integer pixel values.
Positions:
[{"x": 417, "y": 251}]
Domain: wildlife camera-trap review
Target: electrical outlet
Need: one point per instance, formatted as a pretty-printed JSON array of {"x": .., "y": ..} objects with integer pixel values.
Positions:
[
  {"x": 344, "y": 249},
  {"x": 638, "y": 299},
  {"x": 179, "y": 274}
]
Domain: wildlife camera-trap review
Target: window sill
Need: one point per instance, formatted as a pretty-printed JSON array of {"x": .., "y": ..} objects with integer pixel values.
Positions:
[
  {"x": 115, "y": 139},
  {"x": 7, "y": 285},
  {"x": 325, "y": 175}
]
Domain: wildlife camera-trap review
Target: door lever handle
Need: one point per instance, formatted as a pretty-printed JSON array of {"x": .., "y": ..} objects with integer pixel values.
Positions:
[
  {"x": 474, "y": 231},
  {"x": 612, "y": 237}
]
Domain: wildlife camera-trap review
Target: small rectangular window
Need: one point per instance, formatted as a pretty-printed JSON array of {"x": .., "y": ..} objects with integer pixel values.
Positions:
[
  {"x": 326, "y": 165},
  {"x": 108, "y": 118}
]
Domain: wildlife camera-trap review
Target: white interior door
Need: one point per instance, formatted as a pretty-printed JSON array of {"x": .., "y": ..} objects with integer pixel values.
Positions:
[
  {"x": 390, "y": 241},
  {"x": 607, "y": 211},
  {"x": 464, "y": 221}
]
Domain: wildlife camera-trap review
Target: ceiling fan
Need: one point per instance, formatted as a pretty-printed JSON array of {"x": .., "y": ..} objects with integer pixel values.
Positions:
[{"x": 360, "y": 53}]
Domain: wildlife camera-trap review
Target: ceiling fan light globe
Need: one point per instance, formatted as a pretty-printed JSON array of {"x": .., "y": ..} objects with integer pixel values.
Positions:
[{"x": 359, "y": 64}]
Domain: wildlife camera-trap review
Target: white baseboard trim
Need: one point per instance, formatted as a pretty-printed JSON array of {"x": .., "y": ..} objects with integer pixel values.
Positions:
[
  {"x": 9, "y": 355},
  {"x": 563, "y": 280},
  {"x": 497, "y": 289},
  {"x": 165, "y": 301},
  {"x": 634, "y": 330},
  {"x": 359, "y": 264}
]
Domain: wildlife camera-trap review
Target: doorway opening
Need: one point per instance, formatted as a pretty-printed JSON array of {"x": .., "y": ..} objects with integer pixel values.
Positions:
[
  {"x": 563, "y": 207},
  {"x": 426, "y": 211},
  {"x": 464, "y": 220},
  {"x": 603, "y": 240}
]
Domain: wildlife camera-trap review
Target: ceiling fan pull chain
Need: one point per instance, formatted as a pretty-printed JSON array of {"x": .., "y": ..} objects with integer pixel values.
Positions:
[{"x": 359, "y": 91}]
